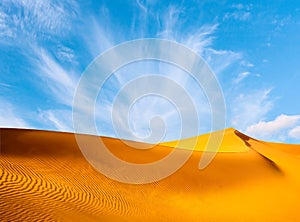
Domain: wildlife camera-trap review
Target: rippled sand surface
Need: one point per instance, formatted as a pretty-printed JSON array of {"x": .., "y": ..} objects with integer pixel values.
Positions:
[{"x": 44, "y": 177}]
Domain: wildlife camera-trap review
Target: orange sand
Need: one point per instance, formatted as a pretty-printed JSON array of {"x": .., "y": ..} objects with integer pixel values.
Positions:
[{"x": 45, "y": 177}]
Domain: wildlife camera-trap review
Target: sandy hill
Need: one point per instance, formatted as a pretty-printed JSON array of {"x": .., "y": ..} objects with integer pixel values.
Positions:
[
  {"x": 232, "y": 142},
  {"x": 44, "y": 177}
]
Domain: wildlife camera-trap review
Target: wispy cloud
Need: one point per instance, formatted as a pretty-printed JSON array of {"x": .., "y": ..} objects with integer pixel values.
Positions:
[
  {"x": 57, "y": 119},
  {"x": 60, "y": 82},
  {"x": 240, "y": 77},
  {"x": 250, "y": 108},
  {"x": 100, "y": 37},
  {"x": 34, "y": 19},
  {"x": 247, "y": 64},
  {"x": 26, "y": 25},
  {"x": 241, "y": 12},
  {"x": 220, "y": 60},
  {"x": 239, "y": 15},
  {"x": 5, "y": 30},
  {"x": 276, "y": 129},
  {"x": 241, "y": 6},
  {"x": 10, "y": 116},
  {"x": 66, "y": 54},
  {"x": 199, "y": 38},
  {"x": 141, "y": 5},
  {"x": 37, "y": 30}
]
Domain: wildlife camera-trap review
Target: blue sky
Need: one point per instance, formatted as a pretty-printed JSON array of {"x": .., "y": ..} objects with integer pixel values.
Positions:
[{"x": 252, "y": 46}]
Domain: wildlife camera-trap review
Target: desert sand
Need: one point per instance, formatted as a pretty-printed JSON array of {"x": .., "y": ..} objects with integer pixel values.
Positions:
[{"x": 44, "y": 177}]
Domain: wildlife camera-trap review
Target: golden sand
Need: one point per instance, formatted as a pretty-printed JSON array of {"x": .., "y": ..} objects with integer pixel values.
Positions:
[{"x": 44, "y": 177}]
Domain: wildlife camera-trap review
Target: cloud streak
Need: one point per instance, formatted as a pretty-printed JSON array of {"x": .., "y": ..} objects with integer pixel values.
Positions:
[
  {"x": 241, "y": 76},
  {"x": 62, "y": 83}
]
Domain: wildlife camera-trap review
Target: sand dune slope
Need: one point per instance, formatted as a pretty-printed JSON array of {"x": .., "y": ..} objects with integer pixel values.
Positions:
[{"x": 44, "y": 177}]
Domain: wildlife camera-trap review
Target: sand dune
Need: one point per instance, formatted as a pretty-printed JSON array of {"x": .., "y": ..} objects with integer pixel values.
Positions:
[{"x": 44, "y": 177}]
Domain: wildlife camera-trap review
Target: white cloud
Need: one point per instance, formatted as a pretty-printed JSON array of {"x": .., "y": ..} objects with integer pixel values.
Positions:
[
  {"x": 295, "y": 133},
  {"x": 65, "y": 54},
  {"x": 9, "y": 117},
  {"x": 275, "y": 129},
  {"x": 240, "y": 77}
]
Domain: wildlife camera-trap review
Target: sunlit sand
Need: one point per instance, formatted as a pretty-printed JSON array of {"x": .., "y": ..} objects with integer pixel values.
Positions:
[{"x": 45, "y": 177}]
